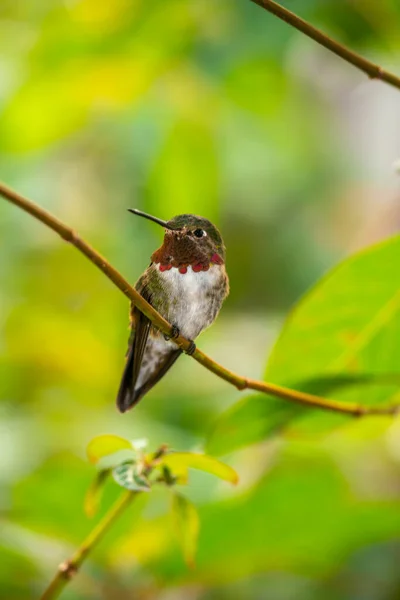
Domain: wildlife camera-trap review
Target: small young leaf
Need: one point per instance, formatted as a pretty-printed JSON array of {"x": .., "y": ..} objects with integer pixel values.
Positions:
[
  {"x": 186, "y": 525},
  {"x": 177, "y": 461},
  {"x": 103, "y": 445},
  {"x": 94, "y": 493},
  {"x": 129, "y": 476}
]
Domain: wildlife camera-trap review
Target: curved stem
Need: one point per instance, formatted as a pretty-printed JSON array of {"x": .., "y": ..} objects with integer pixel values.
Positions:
[
  {"x": 238, "y": 381},
  {"x": 371, "y": 69},
  {"x": 69, "y": 568}
]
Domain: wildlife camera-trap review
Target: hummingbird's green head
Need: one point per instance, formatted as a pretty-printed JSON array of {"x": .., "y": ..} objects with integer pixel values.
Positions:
[
  {"x": 189, "y": 239},
  {"x": 199, "y": 231}
]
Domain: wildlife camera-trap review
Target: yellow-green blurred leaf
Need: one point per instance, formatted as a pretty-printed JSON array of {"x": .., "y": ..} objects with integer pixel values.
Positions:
[
  {"x": 186, "y": 525},
  {"x": 103, "y": 445},
  {"x": 186, "y": 172},
  {"x": 181, "y": 460}
]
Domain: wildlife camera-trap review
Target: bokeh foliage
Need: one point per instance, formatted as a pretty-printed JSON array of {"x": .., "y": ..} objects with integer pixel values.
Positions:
[{"x": 220, "y": 110}]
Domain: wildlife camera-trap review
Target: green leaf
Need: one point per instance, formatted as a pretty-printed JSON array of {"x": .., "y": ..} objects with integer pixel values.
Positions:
[
  {"x": 258, "y": 416},
  {"x": 94, "y": 493},
  {"x": 130, "y": 476},
  {"x": 341, "y": 341},
  {"x": 348, "y": 323},
  {"x": 103, "y": 445},
  {"x": 248, "y": 421},
  {"x": 300, "y": 515},
  {"x": 186, "y": 524},
  {"x": 177, "y": 461}
]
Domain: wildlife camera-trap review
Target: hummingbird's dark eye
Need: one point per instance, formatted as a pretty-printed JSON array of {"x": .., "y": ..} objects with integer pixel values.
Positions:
[{"x": 199, "y": 233}]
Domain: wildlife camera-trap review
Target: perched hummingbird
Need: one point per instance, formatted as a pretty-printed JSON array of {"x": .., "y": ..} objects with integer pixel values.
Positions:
[{"x": 186, "y": 283}]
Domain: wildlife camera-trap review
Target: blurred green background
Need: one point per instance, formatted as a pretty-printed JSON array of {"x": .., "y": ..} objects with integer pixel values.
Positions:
[{"x": 219, "y": 109}]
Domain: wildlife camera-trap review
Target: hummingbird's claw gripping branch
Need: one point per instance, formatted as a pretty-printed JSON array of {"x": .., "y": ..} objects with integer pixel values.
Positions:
[
  {"x": 187, "y": 346},
  {"x": 191, "y": 349},
  {"x": 175, "y": 333}
]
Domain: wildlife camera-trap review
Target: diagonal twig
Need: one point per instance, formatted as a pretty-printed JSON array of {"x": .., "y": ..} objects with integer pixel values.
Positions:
[
  {"x": 120, "y": 282},
  {"x": 371, "y": 69},
  {"x": 69, "y": 568}
]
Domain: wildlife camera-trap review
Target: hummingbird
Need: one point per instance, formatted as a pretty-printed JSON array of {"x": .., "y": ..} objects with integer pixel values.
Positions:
[{"x": 186, "y": 282}]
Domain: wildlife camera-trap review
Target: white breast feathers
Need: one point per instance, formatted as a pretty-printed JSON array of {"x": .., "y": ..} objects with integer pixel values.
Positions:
[{"x": 194, "y": 300}]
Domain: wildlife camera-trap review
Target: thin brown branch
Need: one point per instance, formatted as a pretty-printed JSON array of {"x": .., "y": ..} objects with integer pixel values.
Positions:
[
  {"x": 371, "y": 69},
  {"x": 238, "y": 381},
  {"x": 69, "y": 568}
]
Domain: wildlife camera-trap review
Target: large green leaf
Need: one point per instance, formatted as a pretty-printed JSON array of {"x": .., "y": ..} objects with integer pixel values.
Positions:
[
  {"x": 258, "y": 416},
  {"x": 348, "y": 323},
  {"x": 342, "y": 340}
]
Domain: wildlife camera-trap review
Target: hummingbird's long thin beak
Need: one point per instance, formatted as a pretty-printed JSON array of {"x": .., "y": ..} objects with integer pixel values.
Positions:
[{"x": 135, "y": 211}]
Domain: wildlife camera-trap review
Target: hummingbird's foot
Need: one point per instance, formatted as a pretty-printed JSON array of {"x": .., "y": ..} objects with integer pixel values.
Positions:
[
  {"x": 174, "y": 333},
  {"x": 191, "y": 348}
]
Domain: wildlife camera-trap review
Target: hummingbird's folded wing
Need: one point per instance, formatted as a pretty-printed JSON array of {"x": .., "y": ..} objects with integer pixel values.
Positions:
[
  {"x": 140, "y": 333},
  {"x": 150, "y": 354},
  {"x": 164, "y": 363},
  {"x": 140, "y": 327}
]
